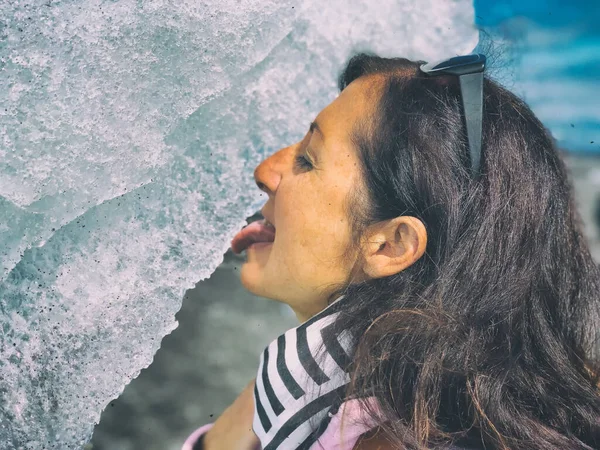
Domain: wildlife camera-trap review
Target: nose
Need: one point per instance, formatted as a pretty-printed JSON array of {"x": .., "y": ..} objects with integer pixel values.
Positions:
[{"x": 268, "y": 173}]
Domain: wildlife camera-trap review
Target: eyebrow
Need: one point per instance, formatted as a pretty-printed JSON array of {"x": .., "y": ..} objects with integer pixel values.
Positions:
[{"x": 315, "y": 126}]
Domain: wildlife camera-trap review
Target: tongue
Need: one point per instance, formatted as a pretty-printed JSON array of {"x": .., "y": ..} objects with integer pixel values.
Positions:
[{"x": 255, "y": 232}]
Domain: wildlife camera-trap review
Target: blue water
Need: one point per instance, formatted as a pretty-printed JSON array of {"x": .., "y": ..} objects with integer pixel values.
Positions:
[{"x": 555, "y": 65}]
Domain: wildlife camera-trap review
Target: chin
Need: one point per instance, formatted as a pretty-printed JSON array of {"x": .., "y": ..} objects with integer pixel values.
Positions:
[
  {"x": 252, "y": 273},
  {"x": 252, "y": 279}
]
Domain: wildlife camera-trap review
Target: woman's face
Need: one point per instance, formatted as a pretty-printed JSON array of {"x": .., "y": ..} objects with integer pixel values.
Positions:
[{"x": 307, "y": 184}]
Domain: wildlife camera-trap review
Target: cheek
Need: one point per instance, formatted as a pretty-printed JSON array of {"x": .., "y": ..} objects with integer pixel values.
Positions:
[{"x": 316, "y": 232}]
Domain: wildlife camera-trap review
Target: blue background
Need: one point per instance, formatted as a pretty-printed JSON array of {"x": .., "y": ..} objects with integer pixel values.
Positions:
[{"x": 554, "y": 52}]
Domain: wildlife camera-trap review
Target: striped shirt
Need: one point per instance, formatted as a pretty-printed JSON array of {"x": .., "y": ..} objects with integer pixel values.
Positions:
[{"x": 301, "y": 382}]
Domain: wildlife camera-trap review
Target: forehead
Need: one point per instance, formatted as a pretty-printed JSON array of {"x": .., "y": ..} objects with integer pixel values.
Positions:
[{"x": 356, "y": 102}]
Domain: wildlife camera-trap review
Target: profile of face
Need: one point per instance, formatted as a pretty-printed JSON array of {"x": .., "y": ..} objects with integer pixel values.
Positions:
[{"x": 308, "y": 185}]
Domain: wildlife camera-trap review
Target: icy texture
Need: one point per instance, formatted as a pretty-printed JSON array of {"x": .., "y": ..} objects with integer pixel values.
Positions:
[{"x": 129, "y": 131}]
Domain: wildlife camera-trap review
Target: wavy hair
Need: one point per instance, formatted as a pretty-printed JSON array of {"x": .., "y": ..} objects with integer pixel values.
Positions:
[{"x": 486, "y": 341}]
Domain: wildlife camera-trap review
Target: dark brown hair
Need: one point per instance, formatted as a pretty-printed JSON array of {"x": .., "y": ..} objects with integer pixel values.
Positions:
[{"x": 487, "y": 339}]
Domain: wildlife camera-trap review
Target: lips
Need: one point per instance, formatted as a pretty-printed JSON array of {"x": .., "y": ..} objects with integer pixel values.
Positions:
[{"x": 260, "y": 231}]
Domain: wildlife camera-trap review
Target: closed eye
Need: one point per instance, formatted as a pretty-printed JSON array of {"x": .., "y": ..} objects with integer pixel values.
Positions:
[{"x": 303, "y": 163}]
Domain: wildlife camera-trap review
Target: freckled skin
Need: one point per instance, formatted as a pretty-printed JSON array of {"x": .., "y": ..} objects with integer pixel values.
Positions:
[{"x": 306, "y": 206}]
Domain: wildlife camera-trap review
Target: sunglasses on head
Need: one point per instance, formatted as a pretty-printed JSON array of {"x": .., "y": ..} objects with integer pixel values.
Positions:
[{"x": 469, "y": 69}]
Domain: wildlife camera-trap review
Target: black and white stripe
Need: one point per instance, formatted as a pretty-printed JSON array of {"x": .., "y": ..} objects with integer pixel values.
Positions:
[{"x": 301, "y": 378}]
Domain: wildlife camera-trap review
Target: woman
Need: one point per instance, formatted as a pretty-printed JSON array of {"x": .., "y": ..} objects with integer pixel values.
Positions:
[{"x": 470, "y": 303}]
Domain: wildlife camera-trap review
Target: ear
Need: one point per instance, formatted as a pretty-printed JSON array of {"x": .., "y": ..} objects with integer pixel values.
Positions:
[{"x": 393, "y": 245}]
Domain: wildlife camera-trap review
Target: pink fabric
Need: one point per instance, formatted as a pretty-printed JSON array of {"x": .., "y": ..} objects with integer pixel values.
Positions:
[
  {"x": 342, "y": 433},
  {"x": 345, "y": 427},
  {"x": 191, "y": 440}
]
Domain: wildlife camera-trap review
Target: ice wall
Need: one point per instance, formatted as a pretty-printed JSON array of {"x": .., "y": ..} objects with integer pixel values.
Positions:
[{"x": 129, "y": 131}]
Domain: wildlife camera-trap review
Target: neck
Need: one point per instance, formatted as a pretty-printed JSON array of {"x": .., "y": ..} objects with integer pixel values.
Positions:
[{"x": 304, "y": 315}]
